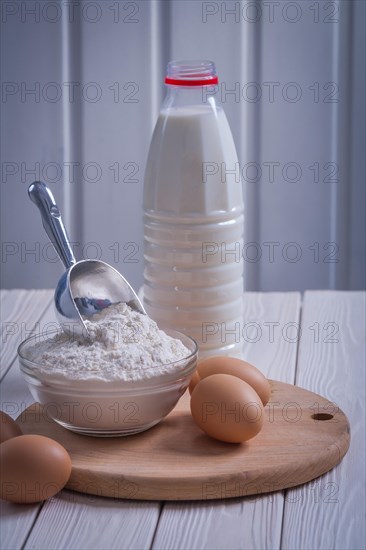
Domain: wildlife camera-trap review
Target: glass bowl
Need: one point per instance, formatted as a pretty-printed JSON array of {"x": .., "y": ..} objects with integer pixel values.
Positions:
[{"x": 107, "y": 408}]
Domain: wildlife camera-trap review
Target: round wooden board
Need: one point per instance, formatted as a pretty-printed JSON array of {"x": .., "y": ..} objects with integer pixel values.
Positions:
[{"x": 175, "y": 460}]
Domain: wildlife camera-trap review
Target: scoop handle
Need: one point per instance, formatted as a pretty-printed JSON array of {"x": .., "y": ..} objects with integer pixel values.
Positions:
[{"x": 42, "y": 197}]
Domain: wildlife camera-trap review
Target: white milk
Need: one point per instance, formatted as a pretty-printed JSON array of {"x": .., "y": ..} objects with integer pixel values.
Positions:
[{"x": 193, "y": 215}]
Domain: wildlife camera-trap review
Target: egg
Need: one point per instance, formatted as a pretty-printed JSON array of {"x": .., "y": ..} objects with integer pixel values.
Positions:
[
  {"x": 194, "y": 381},
  {"x": 227, "y": 408},
  {"x": 33, "y": 468},
  {"x": 8, "y": 427},
  {"x": 236, "y": 367}
]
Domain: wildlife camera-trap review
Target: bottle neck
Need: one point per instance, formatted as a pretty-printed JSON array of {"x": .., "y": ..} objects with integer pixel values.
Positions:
[
  {"x": 191, "y": 83},
  {"x": 179, "y": 96}
]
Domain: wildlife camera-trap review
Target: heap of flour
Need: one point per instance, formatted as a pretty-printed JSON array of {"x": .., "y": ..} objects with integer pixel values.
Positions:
[{"x": 124, "y": 345}]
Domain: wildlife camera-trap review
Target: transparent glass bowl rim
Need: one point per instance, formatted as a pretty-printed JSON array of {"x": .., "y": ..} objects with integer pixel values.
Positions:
[{"x": 128, "y": 386}]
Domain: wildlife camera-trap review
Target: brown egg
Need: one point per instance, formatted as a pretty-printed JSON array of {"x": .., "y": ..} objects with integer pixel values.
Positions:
[
  {"x": 235, "y": 367},
  {"x": 194, "y": 381},
  {"x": 8, "y": 427},
  {"x": 33, "y": 468},
  {"x": 227, "y": 408}
]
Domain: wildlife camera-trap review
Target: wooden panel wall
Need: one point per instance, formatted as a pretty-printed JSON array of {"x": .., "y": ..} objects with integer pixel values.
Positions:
[{"x": 292, "y": 85}]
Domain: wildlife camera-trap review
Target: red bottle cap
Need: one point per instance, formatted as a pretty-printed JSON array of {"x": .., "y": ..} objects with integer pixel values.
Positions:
[{"x": 191, "y": 73}]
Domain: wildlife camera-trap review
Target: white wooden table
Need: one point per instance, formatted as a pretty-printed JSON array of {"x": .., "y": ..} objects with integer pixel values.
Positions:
[{"x": 328, "y": 358}]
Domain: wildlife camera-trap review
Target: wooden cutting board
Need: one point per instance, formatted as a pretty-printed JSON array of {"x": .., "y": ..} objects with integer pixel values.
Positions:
[{"x": 304, "y": 436}]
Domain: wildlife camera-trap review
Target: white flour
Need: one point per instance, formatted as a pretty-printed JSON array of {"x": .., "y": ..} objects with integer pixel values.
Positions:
[{"x": 126, "y": 345}]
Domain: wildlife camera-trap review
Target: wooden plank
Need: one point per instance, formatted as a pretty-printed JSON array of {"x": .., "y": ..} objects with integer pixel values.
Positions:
[
  {"x": 80, "y": 521},
  {"x": 25, "y": 309},
  {"x": 247, "y": 522},
  {"x": 27, "y": 257},
  {"x": 285, "y": 56},
  {"x": 271, "y": 320},
  {"x": 251, "y": 522},
  {"x": 331, "y": 511},
  {"x": 15, "y": 523},
  {"x": 106, "y": 522},
  {"x": 15, "y": 396},
  {"x": 20, "y": 311},
  {"x": 126, "y": 95}
]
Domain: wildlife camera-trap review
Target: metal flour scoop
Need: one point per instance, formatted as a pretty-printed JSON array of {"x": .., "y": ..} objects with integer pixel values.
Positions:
[{"x": 88, "y": 286}]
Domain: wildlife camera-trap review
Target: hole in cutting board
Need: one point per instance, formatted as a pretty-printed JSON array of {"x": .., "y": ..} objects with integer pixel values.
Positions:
[{"x": 322, "y": 416}]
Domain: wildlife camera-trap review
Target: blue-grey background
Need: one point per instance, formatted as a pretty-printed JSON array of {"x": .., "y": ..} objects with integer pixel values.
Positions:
[{"x": 81, "y": 89}]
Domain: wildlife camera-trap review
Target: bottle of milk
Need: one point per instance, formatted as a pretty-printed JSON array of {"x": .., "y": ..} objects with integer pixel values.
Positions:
[{"x": 193, "y": 215}]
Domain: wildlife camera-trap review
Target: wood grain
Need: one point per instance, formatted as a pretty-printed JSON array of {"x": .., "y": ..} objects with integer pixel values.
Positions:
[
  {"x": 271, "y": 345},
  {"x": 206, "y": 521},
  {"x": 81, "y": 521},
  {"x": 292, "y": 448},
  {"x": 238, "y": 523},
  {"x": 18, "y": 306},
  {"x": 20, "y": 311},
  {"x": 15, "y": 396},
  {"x": 331, "y": 512},
  {"x": 105, "y": 523},
  {"x": 250, "y": 522}
]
